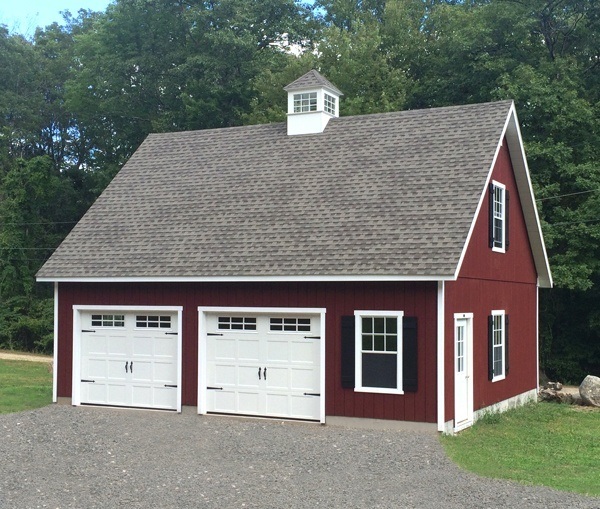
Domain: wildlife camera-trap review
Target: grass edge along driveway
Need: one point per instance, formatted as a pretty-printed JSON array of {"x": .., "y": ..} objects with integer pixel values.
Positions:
[
  {"x": 24, "y": 385},
  {"x": 545, "y": 444}
]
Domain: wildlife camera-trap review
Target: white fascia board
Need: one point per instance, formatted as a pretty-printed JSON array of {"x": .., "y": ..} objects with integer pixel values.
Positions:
[
  {"x": 521, "y": 172},
  {"x": 239, "y": 279},
  {"x": 530, "y": 212}
]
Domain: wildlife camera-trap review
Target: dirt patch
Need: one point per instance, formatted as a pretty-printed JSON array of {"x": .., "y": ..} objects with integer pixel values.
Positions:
[{"x": 24, "y": 356}]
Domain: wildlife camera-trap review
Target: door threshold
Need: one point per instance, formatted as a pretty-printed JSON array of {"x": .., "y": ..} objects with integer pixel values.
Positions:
[{"x": 264, "y": 417}]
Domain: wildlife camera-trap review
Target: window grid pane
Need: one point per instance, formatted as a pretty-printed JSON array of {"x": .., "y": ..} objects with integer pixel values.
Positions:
[
  {"x": 498, "y": 219},
  {"x": 498, "y": 345},
  {"x": 153, "y": 321},
  {"x": 330, "y": 104},
  {"x": 236, "y": 323},
  {"x": 108, "y": 320},
  {"x": 379, "y": 334},
  {"x": 305, "y": 102},
  {"x": 289, "y": 324}
]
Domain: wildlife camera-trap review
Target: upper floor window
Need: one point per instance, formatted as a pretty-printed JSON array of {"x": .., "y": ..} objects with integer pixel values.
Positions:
[
  {"x": 497, "y": 345},
  {"x": 330, "y": 104},
  {"x": 498, "y": 217},
  {"x": 305, "y": 102}
]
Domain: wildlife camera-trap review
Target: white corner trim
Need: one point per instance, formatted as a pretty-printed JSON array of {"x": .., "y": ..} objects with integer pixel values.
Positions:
[
  {"x": 441, "y": 399},
  {"x": 55, "y": 348}
]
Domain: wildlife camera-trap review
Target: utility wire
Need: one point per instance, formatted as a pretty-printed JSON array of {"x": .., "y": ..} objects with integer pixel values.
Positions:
[{"x": 568, "y": 194}]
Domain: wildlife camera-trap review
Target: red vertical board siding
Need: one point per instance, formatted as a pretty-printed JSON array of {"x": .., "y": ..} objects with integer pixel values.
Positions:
[
  {"x": 339, "y": 299},
  {"x": 492, "y": 281}
]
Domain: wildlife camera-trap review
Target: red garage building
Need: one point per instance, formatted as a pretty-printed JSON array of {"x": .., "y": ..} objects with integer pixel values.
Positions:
[{"x": 380, "y": 266}]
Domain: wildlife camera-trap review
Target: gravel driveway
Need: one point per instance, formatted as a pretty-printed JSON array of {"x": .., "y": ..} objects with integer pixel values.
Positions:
[{"x": 66, "y": 457}]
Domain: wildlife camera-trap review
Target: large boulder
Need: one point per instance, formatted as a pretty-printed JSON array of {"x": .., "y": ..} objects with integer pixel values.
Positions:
[{"x": 590, "y": 390}]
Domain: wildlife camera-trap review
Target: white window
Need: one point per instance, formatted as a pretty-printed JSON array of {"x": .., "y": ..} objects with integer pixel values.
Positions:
[
  {"x": 330, "y": 104},
  {"x": 378, "y": 347},
  {"x": 108, "y": 320},
  {"x": 305, "y": 102},
  {"x": 153, "y": 322},
  {"x": 498, "y": 345},
  {"x": 498, "y": 217},
  {"x": 237, "y": 323},
  {"x": 290, "y": 324}
]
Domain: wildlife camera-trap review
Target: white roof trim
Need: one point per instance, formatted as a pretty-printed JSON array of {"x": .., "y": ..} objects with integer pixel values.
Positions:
[
  {"x": 522, "y": 177},
  {"x": 238, "y": 279}
]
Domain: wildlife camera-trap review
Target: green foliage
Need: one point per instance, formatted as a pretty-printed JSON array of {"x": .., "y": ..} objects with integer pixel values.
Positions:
[
  {"x": 24, "y": 385},
  {"x": 544, "y": 444}
]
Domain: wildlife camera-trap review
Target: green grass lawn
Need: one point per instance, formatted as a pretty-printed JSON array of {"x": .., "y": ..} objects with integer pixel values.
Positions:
[
  {"x": 546, "y": 443},
  {"x": 24, "y": 385}
]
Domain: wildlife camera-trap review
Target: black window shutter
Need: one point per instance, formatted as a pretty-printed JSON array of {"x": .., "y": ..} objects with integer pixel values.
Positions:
[
  {"x": 491, "y": 215},
  {"x": 348, "y": 350},
  {"x": 506, "y": 228},
  {"x": 506, "y": 344},
  {"x": 409, "y": 354},
  {"x": 490, "y": 347}
]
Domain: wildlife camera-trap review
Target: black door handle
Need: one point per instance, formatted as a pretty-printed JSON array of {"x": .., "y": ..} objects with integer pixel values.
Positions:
[
  {"x": 265, "y": 373},
  {"x": 259, "y": 373},
  {"x": 131, "y": 367},
  {"x": 126, "y": 365}
]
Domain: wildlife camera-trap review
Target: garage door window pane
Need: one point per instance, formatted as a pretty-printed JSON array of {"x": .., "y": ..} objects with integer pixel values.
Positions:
[
  {"x": 108, "y": 321},
  {"x": 289, "y": 324},
  {"x": 237, "y": 323},
  {"x": 153, "y": 322}
]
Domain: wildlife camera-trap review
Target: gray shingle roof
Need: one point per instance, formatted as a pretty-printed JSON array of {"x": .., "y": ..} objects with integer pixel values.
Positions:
[
  {"x": 312, "y": 79},
  {"x": 375, "y": 195}
]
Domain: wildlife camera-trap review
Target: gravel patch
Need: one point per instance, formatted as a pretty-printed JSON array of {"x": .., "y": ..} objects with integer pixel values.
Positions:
[{"x": 66, "y": 457}]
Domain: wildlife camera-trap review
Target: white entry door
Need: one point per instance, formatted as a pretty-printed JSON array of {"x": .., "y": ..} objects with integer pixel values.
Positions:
[
  {"x": 263, "y": 364},
  {"x": 129, "y": 359},
  {"x": 463, "y": 371}
]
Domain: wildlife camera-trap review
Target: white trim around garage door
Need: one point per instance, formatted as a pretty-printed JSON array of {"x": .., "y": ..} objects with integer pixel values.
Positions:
[
  {"x": 202, "y": 346},
  {"x": 77, "y": 309}
]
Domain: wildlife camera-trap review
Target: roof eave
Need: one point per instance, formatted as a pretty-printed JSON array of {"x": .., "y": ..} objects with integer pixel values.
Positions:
[{"x": 240, "y": 279}]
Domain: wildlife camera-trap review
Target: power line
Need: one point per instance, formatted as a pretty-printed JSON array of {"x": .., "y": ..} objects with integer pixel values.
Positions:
[{"x": 568, "y": 194}]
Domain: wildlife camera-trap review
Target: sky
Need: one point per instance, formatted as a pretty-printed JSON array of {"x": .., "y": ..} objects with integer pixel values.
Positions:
[{"x": 23, "y": 16}]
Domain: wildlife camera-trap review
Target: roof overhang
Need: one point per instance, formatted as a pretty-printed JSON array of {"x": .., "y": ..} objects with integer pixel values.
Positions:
[
  {"x": 240, "y": 279},
  {"x": 514, "y": 141}
]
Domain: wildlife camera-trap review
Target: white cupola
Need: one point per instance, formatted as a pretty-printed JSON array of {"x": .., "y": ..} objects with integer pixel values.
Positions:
[{"x": 312, "y": 101}]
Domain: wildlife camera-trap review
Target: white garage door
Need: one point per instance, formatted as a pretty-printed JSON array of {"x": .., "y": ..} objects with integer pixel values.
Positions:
[
  {"x": 263, "y": 365},
  {"x": 129, "y": 359}
]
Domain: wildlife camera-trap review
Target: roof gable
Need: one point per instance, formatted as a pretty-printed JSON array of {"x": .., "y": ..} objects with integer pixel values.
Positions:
[{"x": 383, "y": 196}]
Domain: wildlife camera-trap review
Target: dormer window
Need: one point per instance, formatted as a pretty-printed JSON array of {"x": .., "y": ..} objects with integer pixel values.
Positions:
[
  {"x": 305, "y": 102},
  {"x": 329, "y": 104}
]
